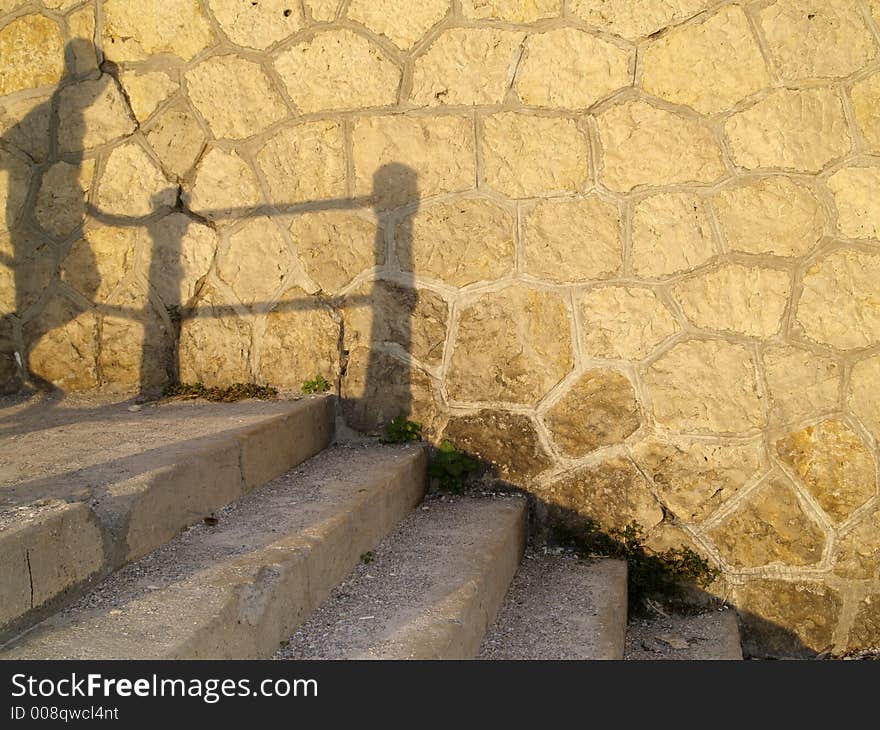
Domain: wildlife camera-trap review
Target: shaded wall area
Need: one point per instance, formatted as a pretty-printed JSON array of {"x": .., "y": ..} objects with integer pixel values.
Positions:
[{"x": 628, "y": 252}]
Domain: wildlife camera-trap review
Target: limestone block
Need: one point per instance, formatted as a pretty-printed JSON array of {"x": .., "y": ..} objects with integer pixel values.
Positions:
[
  {"x": 865, "y": 100},
  {"x": 181, "y": 252},
  {"x": 61, "y": 200},
  {"x": 136, "y": 31},
  {"x": 32, "y": 50},
  {"x": 624, "y": 322},
  {"x": 613, "y": 493},
  {"x": 412, "y": 157},
  {"x": 694, "y": 478},
  {"x": 769, "y": 528},
  {"x": 304, "y": 163},
  {"x": 512, "y": 345},
  {"x": 223, "y": 183},
  {"x": 573, "y": 240},
  {"x": 334, "y": 246},
  {"x": 235, "y": 96},
  {"x": 838, "y": 304},
  {"x": 82, "y": 26},
  {"x": 795, "y": 129},
  {"x": 863, "y": 397},
  {"x": 466, "y": 66},
  {"x": 439, "y": 242},
  {"x": 634, "y": 20},
  {"x": 723, "y": 61},
  {"x": 381, "y": 312},
  {"x": 599, "y": 409},
  {"x": 146, "y": 91},
  {"x": 525, "y": 156},
  {"x": 569, "y": 69},
  {"x": 257, "y": 24},
  {"x": 773, "y": 215},
  {"x": 858, "y": 550},
  {"x": 215, "y": 346},
  {"x": 833, "y": 464},
  {"x": 401, "y": 21},
  {"x": 255, "y": 262},
  {"x": 301, "y": 341},
  {"x": 816, "y": 38},
  {"x": 629, "y": 134},
  {"x": 92, "y": 113},
  {"x": 24, "y": 125},
  {"x": 513, "y": 11},
  {"x": 32, "y": 266},
  {"x": 705, "y": 385},
  {"x": 866, "y": 626},
  {"x": 781, "y": 618},
  {"x": 734, "y": 298},
  {"x": 62, "y": 343},
  {"x": 506, "y": 441},
  {"x": 322, "y": 10},
  {"x": 15, "y": 181},
  {"x": 132, "y": 184},
  {"x": 858, "y": 205},
  {"x": 177, "y": 139},
  {"x": 338, "y": 69},
  {"x": 671, "y": 233},
  {"x": 800, "y": 383},
  {"x": 99, "y": 261},
  {"x": 10, "y": 377}
]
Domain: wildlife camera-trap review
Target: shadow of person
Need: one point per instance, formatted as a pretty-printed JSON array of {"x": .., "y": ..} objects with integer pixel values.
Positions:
[{"x": 38, "y": 222}]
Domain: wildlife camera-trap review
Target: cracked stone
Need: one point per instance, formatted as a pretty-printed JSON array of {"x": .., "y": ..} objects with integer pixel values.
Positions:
[
  {"x": 92, "y": 113},
  {"x": 146, "y": 91}
]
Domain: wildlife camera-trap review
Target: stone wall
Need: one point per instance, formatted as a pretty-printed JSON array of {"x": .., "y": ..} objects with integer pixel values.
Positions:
[{"x": 627, "y": 251}]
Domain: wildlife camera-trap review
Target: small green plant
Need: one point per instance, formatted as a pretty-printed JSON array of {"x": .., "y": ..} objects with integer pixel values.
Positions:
[
  {"x": 318, "y": 385},
  {"x": 367, "y": 557},
  {"x": 234, "y": 392},
  {"x": 400, "y": 431},
  {"x": 450, "y": 467},
  {"x": 649, "y": 574}
]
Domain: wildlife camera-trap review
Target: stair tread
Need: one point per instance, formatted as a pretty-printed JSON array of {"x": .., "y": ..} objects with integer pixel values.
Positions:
[
  {"x": 561, "y": 607},
  {"x": 430, "y": 590},
  {"x": 700, "y": 636},
  {"x": 322, "y": 511}
]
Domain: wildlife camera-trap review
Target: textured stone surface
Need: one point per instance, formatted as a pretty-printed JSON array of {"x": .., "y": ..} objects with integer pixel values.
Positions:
[
  {"x": 466, "y": 66},
  {"x": 28, "y": 274},
  {"x": 135, "y": 31},
  {"x": 132, "y": 184},
  {"x": 599, "y": 409},
  {"x": 858, "y": 550},
  {"x": 250, "y": 102},
  {"x": 402, "y": 21},
  {"x": 338, "y": 69},
  {"x": 722, "y": 49},
  {"x": 511, "y": 346},
  {"x": 92, "y": 113},
  {"x": 513, "y": 11},
  {"x": 335, "y": 246},
  {"x": 24, "y": 125},
  {"x": 833, "y": 464},
  {"x": 15, "y": 178},
  {"x": 770, "y": 527},
  {"x": 181, "y": 252},
  {"x": 695, "y": 478},
  {"x": 506, "y": 441},
  {"x": 816, "y": 38},
  {"x": 98, "y": 262},
  {"x": 223, "y": 182},
  {"x": 570, "y": 69},
  {"x": 81, "y": 25},
  {"x": 177, "y": 139},
  {"x": 864, "y": 393},
  {"x": 792, "y": 129},
  {"x": 705, "y": 385},
  {"x": 800, "y": 383},
  {"x": 439, "y": 242},
  {"x": 61, "y": 199},
  {"x": 735, "y": 298},
  {"x": 32, "y": 51},
  {"x": 255, "y": 261},
  {"x": 839, "y": 302},
  {"x": 866, "y": 626},
  {"x": 439, "y": 151},
  {"x": 304, "y": 163},
  {"x": 146, "y": 91},
  {"x": 629, "y": 132},
  {"x": 591, "y": 224},
  {"x": 322, "y": 10},
  {"x": 257, "y": 24},
  {"x": 865, "y": 96},
  {"x": 858, "y": 205},
  {"x": 671, "y": 233},
  {"x": 773, "y": 215},
  {"x": 634, "y": 20},
  {"x": 624, "y": 322},
  {"x": 613, "y": 493},
  {"x": 524, "y": 155}
]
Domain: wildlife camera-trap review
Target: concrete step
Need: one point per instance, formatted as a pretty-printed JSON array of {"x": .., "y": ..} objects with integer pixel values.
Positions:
[
  {"x": 427, "y": 592},
  {"x": 708, "y": 635},
  {"x": 85, "y": 490},
  {"x": 238, "y": 588},
  {"x": 561, "y": 607}
]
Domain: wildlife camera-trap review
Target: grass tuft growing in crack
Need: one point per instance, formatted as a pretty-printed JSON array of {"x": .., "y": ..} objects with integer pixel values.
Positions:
[
  {"x": 450, "y": 466},
  {"x": 228, "y": 394}
]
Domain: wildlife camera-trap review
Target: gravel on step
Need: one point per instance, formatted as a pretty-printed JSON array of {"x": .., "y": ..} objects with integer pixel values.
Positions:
[{"x": 709, "y": 635}]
